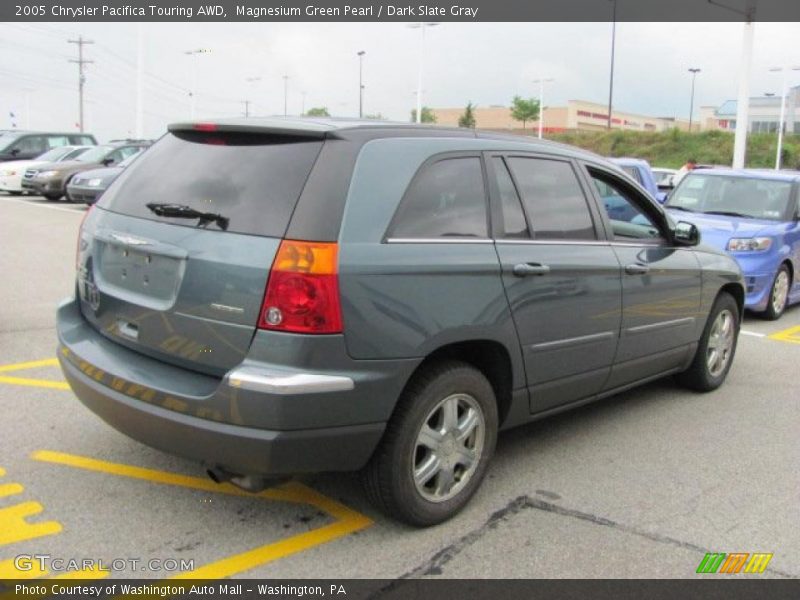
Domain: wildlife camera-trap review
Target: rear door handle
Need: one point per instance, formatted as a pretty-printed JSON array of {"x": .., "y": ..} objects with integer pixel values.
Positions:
[
  {"x": 637, "y": 269},
  {"x": 525, "y": 269}
]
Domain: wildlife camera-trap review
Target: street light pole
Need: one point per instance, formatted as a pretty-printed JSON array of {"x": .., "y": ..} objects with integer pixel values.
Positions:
[
  {"x": 421, "y": 26},
  {"x": 694, "y": 73},
  {"x": 361, "y": 54},
  {"x": 541, "y": 83},
  {"x": 613, "y": 48},
  {"x": 193, "y": 92},
  {"x": 781, "y": 121}
]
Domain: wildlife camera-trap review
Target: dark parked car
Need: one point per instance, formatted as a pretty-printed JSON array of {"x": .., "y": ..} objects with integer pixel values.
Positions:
[
  {"x": 273, "y": 297},
  {"x": 88, "y": 186},
  {"x": 23, "y": 145},
  {"x": 51, "y": 180}
]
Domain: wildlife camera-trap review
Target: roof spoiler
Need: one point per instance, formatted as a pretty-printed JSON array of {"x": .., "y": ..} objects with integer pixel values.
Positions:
[{"x": 304, "y": 130}]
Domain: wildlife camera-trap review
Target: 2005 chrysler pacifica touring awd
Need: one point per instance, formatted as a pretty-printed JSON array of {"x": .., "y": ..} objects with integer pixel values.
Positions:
[{"x": 276, "y": 297}]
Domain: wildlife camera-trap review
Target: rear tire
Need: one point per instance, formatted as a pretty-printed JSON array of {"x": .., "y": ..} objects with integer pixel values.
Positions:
[
  {"x": 51, "y": 197},
  {"x": 437, "y": 445},
  {"x": 778, "y": 295},
  {"x": 716, "y": 348}
]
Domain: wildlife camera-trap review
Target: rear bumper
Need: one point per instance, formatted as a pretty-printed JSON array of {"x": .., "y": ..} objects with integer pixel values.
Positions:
[
  {"x": 236, "y": 449},
  {"x": 319, "y": 421}
]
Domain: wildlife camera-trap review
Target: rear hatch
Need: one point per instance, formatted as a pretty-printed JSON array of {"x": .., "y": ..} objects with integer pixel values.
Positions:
[{"x": 174, "y": 260}]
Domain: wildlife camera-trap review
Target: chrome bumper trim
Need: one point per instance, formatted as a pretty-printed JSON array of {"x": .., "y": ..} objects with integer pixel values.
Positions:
[{"x": 286, "y": 383}]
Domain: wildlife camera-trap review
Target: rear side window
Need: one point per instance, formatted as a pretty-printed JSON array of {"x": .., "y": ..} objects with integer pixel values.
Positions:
[
  {"x": 252, "y": 181},
  {"x": 54, "y": 141},
  {"x": 553, "y": 198},
  {"x": 82, "y": 140},
  {"x": 446, "y": 200}
]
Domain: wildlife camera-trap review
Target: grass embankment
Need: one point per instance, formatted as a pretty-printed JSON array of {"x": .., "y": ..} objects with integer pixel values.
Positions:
[{"x": 672, "y": 148}]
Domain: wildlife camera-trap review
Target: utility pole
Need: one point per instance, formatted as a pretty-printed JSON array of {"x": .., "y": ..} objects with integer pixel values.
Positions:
[
  {"x": 743, "y": 97},
  {"x": 361, "y": 54},
  {"x": 246, "y": 108},
  {"x": 694, "y": 73},
  {"x": 139, "y": 82},
  {"x": 613, "y": 49},
  {"x": 81, "y": 77}
]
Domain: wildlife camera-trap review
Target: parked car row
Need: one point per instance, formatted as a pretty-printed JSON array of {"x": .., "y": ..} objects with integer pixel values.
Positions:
[
  {"x": 751, "y": 214},
  {"x": 47, "y": 164},
  {"x": 12, "y": 172}
]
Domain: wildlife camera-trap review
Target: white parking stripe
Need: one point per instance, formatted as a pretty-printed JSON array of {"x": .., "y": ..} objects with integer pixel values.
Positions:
[
  {"x": 752, "y": 333},
  {"x": 77, "y": 210}
]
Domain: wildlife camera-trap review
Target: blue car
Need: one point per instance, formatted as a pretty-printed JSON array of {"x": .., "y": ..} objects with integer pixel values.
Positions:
[
  {"x": 639, "y": 169},
  {"x": 754, "y": 216}
]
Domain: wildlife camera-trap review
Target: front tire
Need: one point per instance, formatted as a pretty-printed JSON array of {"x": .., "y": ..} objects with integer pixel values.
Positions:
[
  {"x": 52, "y": 197},
  {"x": 778, "y": 294},
  {"x": 716, "y": 348},
  {"x": 437, "y": 446}
]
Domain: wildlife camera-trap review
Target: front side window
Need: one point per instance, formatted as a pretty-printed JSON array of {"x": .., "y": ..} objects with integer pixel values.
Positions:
[
  {"x": 31, "y": 145},
  {"x": 446, "y": 200},
  {"x": 628, "y": 219},
  {"x": 553, "y": 199}
]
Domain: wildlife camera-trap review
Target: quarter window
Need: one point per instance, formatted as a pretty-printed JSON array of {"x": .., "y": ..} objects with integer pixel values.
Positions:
[
  {"x": 447, "y": 200},
  {"x": 553, "y": 198},
  {"x": 514, "y": 225}
]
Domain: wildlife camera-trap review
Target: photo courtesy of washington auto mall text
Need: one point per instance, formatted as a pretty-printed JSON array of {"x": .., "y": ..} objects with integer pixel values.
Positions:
[{"x": 444, "y": 299}]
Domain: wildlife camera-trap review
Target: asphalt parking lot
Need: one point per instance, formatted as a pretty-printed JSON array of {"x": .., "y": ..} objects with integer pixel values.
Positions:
[{"x": 641, "y": 485}]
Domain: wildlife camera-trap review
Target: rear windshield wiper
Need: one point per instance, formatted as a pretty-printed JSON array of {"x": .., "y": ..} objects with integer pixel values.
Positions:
[
  {"x": 181, "y": 211},
  {"x": 726, "y": 213}
]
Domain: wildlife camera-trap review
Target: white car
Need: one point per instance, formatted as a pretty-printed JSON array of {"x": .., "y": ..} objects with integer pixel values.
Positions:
[{"x": 12, "y": 172}]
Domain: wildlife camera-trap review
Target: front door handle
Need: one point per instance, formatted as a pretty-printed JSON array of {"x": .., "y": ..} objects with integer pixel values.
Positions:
[
  {"x": 637, "y": 269},
  {"x": 525, "y": 269}
]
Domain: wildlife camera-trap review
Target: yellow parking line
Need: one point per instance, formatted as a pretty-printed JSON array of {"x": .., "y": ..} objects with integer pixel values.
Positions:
[
  {"x": 43, "y": 383},
  {"x": 347, "y": 519},
  {"x": 791, "y": 335},
  {"x": 33, "y": 364}
]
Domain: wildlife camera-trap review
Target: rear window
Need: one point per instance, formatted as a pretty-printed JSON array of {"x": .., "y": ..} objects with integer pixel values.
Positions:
[{"x": 251, "y": 181}]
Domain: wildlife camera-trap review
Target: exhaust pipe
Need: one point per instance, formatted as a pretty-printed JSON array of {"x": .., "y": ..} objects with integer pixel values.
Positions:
[{"x": 247, "y": 483}]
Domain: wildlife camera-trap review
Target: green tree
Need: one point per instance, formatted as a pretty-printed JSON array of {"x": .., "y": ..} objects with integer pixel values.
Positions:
[
  {"x": 319, "y": 111},
  {"x": 428, "y": 115},
  {"x": 468, "y": 118},
  {"x": 524, "y": 110}
]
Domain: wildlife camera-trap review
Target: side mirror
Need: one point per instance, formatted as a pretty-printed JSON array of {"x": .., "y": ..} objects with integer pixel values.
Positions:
[
  {"x": 686, "y": 234},
  {"x": 108, "y": 161},
  {"x": 14, "y": 151},
  {"x": 661, "y": 197}
]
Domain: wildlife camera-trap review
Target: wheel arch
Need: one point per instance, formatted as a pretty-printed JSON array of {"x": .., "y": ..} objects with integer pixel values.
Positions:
[{"x": 490, "y": 357}]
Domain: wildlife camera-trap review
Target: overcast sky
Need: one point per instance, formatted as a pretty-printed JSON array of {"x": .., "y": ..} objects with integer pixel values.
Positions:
[{"x": 486, "y": 63}]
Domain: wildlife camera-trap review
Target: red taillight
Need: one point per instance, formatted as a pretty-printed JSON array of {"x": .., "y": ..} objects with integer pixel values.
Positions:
[
  {"x": 204, "y": 127},
  {"x": 303, "y": 289}
]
